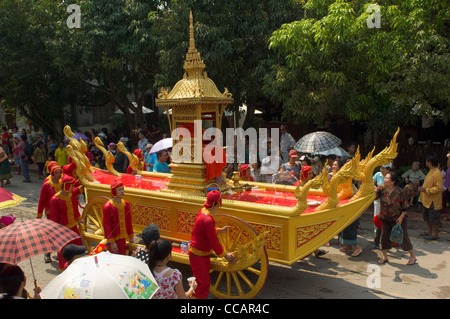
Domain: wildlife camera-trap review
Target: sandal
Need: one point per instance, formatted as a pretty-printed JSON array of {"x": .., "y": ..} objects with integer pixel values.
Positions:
[
  {"x": 356, "y": 253},
  {"x": 47, "y": 259},
  {"x": 413, "y": 262},
  {"x": 321, "y": 253},
  {"x": 345, "y": 249},
  {"x": 382, "y": 261}
]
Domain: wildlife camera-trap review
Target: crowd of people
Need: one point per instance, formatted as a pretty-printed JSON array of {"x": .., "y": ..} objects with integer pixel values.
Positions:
[{"x": 60, "y": 190}]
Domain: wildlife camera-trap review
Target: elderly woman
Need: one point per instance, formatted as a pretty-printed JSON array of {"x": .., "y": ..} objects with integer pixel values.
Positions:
[{"x": 393, "y": 207}]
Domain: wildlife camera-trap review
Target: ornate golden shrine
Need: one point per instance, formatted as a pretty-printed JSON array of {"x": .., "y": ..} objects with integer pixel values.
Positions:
[
  {"x": 193, "y": 98},
  {"x": 275, "y": 222}
]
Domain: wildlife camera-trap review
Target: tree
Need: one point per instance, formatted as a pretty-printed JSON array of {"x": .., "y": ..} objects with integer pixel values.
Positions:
[
  {"x": 232, "y": 37},
  {"x": 332, "y": 63},
  {"x": 115, "y": 52},
  {"x": 29, "y": 82}
]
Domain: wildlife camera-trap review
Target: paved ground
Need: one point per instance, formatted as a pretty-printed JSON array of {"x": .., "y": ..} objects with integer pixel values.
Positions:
[{"x": 333, "y": 276}]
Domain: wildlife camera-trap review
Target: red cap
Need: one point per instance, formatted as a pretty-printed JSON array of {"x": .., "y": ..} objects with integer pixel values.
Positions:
[
  {"x": 305, "y": 171},
  {"x": 114, "y": 188},
  {"x": 138, "y": 153},
  {"x": 51, "y": 164},
  {"x": 243, "y": 170},
  {"x": 293, "y": 153},
  {"x": 53, "y": 169},
  {"x": 212, "y": 198},
  {"x": 66, "y": 182}
]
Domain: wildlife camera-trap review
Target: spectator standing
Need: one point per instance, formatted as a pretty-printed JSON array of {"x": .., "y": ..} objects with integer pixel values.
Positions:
[
  {"x": 5, "y": 170},
  {"x": 431, "y": 197},
  {"x": 292, "y": 166},
  {"x": 61, "y": 155},
  {"x": 169, "y": 280},
  {"x": 446, "y": 189},
  {"x": 161, "y": 165},
  {"x": 16, "y": 150},
  {"x": 40, "y": 157},
  {"x": 270, "y": 165},
  {"x": 5, "y": 140},
  {"x": 287, "y": 142},
  {"x": 150, "y": 159},
  {"x": 142, "y": 143},
  {"x": 393, "y": 206},
  {"x": 378, "y": 179},
  {"x": 22, "y": 146},
  {"x": 413, "y": 179}
]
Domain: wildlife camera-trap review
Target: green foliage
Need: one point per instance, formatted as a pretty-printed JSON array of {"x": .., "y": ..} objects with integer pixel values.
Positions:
[
  {"x": 331, "y": 63},
  {"x": 28, "y": 80},
  {"x": 232, "y": 37}
]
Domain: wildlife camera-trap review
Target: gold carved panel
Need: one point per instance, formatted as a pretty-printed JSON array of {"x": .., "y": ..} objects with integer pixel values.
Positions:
[
  {"x": 273, "y": 240},
  {"x": 185, "y": 221},
  {"x": 144, "y": 215},
  {"x": 307, "y": 233}
]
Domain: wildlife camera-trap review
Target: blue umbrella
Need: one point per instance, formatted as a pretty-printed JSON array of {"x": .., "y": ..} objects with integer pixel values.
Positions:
[
  {"x": 80, "y": 135},
  {"x": 315, "y": 142}
]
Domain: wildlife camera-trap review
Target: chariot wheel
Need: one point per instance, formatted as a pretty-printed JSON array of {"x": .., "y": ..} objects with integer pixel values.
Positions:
[
  {"x": 91, "y": 229},
  {"x": 240, "y": 284}
]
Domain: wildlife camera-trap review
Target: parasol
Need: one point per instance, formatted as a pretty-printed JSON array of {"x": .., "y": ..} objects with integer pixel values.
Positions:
[
  {"x": 316, "y": 142},
  {"x": 163, "y": 144},
  {"x": 78, "y": 136},
  {"x": 22, "y": 240},
  {"x": 338, "y": 151},
  {"x": 103, "y": 276},
  {"x": 8, "y": 199}
]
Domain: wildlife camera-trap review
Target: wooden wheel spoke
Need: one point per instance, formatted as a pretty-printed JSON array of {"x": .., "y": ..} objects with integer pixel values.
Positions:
[
  {"x": 219, "y": 279},
  {"x": 254, "y": 270},
  {"x": 236, "y": 240},
  {"x": 246, "y": 280},
  {"x": 94, "y": 221},
  {"x": 237, "y": 283}
]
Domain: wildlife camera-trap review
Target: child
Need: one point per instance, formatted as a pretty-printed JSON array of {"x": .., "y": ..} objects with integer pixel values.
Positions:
[
  {"x": 40, "y": 157},
  {"x": 72, "y": 252},
  {"x": 168, "y": 279},
  {"x": 50, "y": 158}
]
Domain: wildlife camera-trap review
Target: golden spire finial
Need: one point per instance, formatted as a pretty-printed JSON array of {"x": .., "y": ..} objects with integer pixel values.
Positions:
[
  {"x": 193, "y": 64},
  {"x": 191, "y": 32}
]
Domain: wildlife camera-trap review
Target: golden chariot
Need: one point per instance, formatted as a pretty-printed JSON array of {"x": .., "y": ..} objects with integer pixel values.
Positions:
[{"x": 280, "y": 223}]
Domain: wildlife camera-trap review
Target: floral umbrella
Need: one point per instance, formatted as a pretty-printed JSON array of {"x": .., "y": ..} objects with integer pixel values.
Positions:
[{"x": 103, "y": 276}]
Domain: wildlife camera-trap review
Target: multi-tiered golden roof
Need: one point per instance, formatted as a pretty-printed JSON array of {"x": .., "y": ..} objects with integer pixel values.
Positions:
[{"x": 194, "y": 97}]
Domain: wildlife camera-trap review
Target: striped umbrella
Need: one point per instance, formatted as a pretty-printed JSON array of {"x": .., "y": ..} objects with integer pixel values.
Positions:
[{"x": 316, "y": 142}]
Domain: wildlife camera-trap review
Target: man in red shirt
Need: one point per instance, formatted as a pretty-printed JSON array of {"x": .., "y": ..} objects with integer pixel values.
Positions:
[
  {"x": 49, "y": 188},
  {"x": 204, "y": 240},
  {"x": 64, "y": 210},
  {"x": 117, "y": 222},
  {"x": 139, "y": 167}
]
